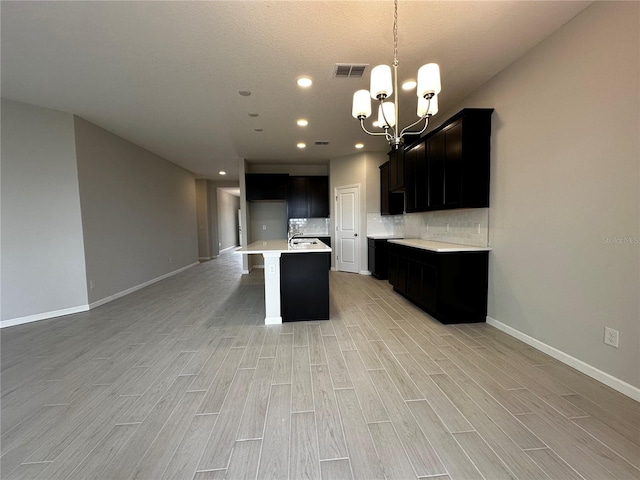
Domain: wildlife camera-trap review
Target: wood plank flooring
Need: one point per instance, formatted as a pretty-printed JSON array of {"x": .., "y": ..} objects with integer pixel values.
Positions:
[{"x": 182, "y": 380}]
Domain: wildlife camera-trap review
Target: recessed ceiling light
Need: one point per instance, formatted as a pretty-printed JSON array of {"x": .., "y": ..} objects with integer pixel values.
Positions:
[
  {"x": 301, "y": 145},
  {"x": 258, "y": 129},
  {"x": 222, "y": 172},
  {"x": 304, "y": 82},
  {"x": 376, "y": 124},
  {"x": 359, "y": 145},
  {"x": 302, "y": 122},
  {"x": 244, "y": 93},
  {"x": 253, "y": 115},
  {"x": 410, "y": 85}
]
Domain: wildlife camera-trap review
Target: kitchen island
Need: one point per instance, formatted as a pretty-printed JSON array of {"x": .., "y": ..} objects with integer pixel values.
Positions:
[{"x": 296, "y": 278}]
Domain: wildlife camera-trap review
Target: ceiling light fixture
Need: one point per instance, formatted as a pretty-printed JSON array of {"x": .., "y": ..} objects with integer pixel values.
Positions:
[
  {"x": 222, "y": 172},
  {"x": 409, "y": 85},
  {"x": 304, "y": 82},
  {"x": 383, "y": 84},
  {"x": 359, "y": 145},
  {"x": 301, "y": 145},
  {"x": 302, "y": 122}
]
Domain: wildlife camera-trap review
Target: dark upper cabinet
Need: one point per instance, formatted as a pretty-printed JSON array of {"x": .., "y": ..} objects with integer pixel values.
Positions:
[
  {"x": 396, "y": 170},
  {"x": 416, "y": 181},
  {"x": 450, "y": 167},
  {"x": 436, "y": 147},
  {"x": 319, "y": 197},
  {"x": 308, "y": 197},
  {"x": 266, "y": 186},
  {"x": 390, "y": 203},
  {"x": 466, "y": 159}
]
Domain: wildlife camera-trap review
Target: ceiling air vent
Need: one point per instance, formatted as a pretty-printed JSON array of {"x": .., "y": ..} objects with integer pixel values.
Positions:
[
  {"x": 347, "y": 70},
  {"x": 321, "y": 142}
]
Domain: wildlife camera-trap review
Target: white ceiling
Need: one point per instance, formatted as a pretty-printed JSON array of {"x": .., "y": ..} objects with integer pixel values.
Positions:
[{"x": 166, "y": 75}]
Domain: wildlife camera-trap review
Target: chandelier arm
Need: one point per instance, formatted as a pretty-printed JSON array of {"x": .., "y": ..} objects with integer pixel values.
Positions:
[
  {"x": 374, "y": 134},
  {"x": 393, "y": 130},
  {"x": 404, "y": 130},
  {"x": 421, "y": 131}
]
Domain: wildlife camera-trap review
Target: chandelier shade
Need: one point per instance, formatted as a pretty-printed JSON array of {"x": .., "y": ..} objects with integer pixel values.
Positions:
[
  {"x": 428, "y": 80},
  {"x": 361, "y": 104},
  {"x": 381, "y": 82}
]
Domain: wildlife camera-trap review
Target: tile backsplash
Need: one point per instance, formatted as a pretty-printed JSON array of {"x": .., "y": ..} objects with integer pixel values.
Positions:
[
  {"x": 310, "y": 226},
  {"x": 385, "y": 224},
  {"x": 463, "y": 227}
]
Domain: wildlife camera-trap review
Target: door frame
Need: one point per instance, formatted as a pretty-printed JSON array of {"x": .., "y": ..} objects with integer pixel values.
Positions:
[{"x": 336, "y": 223}]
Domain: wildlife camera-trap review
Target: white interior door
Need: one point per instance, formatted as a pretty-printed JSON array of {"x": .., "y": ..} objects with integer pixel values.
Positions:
[{"x": 347, "y": 229}]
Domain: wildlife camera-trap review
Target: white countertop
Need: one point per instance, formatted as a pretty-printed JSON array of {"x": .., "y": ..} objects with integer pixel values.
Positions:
[
  {"x": 383, "y": 236},
  {"x": 439, "y": 246},
  {"x": 282, "y": 246}
]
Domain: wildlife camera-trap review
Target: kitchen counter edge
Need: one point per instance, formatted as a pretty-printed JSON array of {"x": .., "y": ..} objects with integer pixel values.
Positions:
[{"x": 439, "y": 247}]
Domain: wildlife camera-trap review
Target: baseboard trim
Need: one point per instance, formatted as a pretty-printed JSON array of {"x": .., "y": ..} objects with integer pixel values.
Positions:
[
  {"x": 204, "y": 259},
  {"x": 83, "y": 308},
  {"x": 233, "y": 247},
  {"x": 365, "y": 272},
  {"x": 115, "y": 296},
  {"x": 593, "y": 372},
  {"x": 43, "y": 316}
]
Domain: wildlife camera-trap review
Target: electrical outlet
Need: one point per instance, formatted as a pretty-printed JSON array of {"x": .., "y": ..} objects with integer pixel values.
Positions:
[
  {"x": 611, "y": 337},
  {"x": 272, "y": 269},
  {"x": 447, "y": 228}
]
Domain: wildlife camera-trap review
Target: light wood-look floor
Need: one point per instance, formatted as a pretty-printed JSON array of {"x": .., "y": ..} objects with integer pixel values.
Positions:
[{"x": 182, "y": 380}]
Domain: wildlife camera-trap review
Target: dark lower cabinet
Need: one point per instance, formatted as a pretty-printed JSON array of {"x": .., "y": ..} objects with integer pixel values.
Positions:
[
  {"x": 304, "y": 286},
  {"x": 378, "y": 258},
  {"x": 450, "y": 286}
]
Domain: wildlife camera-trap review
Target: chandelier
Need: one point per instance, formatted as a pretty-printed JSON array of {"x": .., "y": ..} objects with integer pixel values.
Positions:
[{"x": 384, "y": 84}]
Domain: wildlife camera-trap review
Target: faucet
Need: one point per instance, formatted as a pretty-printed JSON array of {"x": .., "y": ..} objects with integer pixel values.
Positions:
[{"x": 293, "y": 235}]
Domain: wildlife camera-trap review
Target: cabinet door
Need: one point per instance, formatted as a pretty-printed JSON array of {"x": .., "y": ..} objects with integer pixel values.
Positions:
[
  {"x": 420, "y": 178},
  {"x": 297, "y": 201},
  {"x": 411, "y": 187},
  {"x": 384, "y": 189},
  {"x": 414, "y": 281},
  {"x": 453, "y": 165},
  {"x": 390, "y": 203},
  {"x": 266, "y": 186},
  {"x": 319, "y": 197},
  {"x": 396, "y": 170},
  {"x": 436, "y": 159}
]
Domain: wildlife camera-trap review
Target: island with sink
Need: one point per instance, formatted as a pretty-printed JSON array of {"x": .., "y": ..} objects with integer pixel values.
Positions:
[{"x": 296, "y": 278}]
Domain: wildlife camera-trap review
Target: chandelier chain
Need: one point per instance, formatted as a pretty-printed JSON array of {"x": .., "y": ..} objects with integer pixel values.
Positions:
[{"x": 395, "y": 33}]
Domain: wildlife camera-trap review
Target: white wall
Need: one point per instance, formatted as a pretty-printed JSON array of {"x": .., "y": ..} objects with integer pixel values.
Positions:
[
  {"x": 202, "y": 213},
  {"x": 43, "y": 268},
  {"x": 228, "y": 206},
  {"x": 564, "y": 189},
  {"x": 138, "y": 213}
]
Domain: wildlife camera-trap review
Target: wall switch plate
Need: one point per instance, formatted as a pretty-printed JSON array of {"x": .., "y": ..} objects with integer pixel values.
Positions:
[
  {"x": 611, "y": 337},
  {"x": 92, "y": 284},
  {"x": 447, "y": 228},
  {"x": 264, "y": 227},
  {"x": 478, "y": 228}
]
